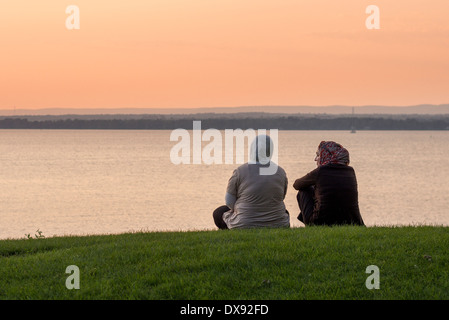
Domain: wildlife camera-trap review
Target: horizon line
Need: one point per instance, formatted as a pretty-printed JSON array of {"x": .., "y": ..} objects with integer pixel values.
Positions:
[{"x": 336, "y": 109}]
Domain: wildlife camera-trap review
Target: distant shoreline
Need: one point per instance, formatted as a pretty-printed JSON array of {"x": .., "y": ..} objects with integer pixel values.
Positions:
[
  {"x": 421, "y": 109},
  {"x": 231, "y": 121}
]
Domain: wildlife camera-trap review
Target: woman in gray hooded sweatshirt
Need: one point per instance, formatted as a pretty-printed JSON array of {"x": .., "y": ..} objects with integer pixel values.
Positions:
[{"x": 255, "y": 193}]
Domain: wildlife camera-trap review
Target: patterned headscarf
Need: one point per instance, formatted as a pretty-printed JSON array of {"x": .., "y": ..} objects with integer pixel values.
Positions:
[{"x": 332, "y": 152}]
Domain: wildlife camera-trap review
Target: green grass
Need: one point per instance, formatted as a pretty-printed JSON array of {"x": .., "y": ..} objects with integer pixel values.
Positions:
[{"x": 296, "y": 263}]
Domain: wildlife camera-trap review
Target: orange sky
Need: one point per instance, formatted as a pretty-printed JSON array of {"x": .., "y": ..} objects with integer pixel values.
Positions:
[{"x": 219, "y": 53}]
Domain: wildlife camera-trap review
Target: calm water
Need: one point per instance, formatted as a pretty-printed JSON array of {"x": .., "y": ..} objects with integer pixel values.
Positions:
[{"x": 98, "y": 182}]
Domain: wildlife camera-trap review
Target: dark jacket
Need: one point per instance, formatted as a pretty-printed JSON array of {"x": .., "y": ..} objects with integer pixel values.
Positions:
[{"x": 336, "y": 195}]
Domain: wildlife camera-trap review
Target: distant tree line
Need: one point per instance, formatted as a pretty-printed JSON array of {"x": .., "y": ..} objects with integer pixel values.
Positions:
[{"x": 278, "y": 122}]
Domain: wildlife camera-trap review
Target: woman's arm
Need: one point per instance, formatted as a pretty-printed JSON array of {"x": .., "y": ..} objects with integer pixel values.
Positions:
[
  {"x": 232, "y": 189},
  {"x": 306, "y": 181},
  {"x": 230, "y": 200},
  {"x": 285, "y": 186}
]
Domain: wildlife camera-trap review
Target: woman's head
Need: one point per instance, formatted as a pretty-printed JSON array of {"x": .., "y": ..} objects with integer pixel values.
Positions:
[
  {"x": 261, "y": 149},
  {"x": 331, "y": 152}
]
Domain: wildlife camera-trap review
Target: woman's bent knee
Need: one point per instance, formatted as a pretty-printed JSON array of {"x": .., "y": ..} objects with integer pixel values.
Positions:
[{"x": 218, "y": 217}]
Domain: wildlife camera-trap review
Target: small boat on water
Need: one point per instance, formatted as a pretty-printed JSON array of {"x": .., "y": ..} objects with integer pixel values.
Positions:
[{"x": 352, "y": 122}]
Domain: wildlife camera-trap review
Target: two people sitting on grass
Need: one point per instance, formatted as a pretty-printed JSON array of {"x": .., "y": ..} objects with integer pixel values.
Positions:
[{"x": 326, "y": 196}]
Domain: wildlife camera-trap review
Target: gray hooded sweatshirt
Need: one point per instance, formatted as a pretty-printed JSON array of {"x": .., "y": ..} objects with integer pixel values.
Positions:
[{"x": 259, "y": 197}]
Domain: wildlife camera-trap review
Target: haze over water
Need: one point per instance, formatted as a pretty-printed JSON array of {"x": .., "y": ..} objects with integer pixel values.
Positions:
[{"x": 76, "y": 182}]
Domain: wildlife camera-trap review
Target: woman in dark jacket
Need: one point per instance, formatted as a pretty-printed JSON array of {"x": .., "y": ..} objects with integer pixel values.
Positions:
[{"x": 328, "y": 195}]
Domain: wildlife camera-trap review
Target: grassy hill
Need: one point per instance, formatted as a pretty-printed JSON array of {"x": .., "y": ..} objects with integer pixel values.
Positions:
[{"x": 296, "y": 263}]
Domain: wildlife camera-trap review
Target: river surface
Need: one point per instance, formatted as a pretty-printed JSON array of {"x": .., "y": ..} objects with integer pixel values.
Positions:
[{"x": 82, "y": 182}]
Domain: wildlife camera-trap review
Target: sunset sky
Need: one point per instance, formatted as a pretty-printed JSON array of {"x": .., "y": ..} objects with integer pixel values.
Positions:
[{"x": 222, "y": 53}]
